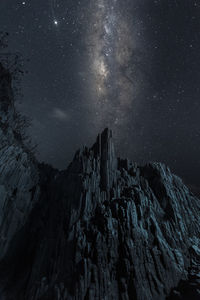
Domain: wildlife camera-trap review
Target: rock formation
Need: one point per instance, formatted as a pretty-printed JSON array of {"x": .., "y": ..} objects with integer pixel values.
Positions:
[
  {"x": 104, "y": 229},
  {"x": 19, "y": 175}
]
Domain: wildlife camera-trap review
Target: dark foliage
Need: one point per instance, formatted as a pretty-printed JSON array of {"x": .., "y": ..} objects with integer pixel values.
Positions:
[{"x": 14, "y": 63}]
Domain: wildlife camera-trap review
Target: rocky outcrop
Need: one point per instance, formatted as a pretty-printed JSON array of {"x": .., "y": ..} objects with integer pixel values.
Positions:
[
  {"x": 105, "y": 228},
  {"x": 18, "y": 170}
]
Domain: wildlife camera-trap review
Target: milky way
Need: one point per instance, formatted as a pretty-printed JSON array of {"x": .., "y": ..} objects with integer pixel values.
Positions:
[
  {"x": 131, "y": 65},
  {"x": 110, "y": 39},
  {"x": 110, "y": 45}
]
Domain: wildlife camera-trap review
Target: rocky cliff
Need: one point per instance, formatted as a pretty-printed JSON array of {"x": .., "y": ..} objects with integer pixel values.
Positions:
[
  {"x": 18, "y": 170},
  {"x": 105, "y": 228}
]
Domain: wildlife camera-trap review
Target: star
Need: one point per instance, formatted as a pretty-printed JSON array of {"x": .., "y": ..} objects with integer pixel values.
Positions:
[{"x": 55, "y": 22}]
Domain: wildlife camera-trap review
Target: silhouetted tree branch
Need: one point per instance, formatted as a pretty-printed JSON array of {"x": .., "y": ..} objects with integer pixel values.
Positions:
[{"x": 14, "y": 63}]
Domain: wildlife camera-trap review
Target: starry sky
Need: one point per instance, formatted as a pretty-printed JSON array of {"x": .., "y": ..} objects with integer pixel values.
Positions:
[{"x": 131, "y": 65}]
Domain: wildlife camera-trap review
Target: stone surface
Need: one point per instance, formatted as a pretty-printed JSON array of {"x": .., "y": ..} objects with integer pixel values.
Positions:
[
  {"x": 19, "y": 175},
  {"x": 105, "y": 228}
]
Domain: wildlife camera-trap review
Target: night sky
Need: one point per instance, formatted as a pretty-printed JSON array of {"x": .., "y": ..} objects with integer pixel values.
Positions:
[{"x": 130, "y": 65}]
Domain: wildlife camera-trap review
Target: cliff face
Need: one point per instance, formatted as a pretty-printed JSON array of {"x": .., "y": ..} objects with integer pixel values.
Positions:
[
  {"x": 18, "y": 171},
  {"x": 105, "y": 228}
]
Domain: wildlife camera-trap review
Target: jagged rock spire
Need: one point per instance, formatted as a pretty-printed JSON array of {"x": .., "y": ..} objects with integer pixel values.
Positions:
[{"x": 104, "y": 148}]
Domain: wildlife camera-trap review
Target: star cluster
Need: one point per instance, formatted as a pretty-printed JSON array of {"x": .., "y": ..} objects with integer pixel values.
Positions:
[{"x": 110, "y": 46}]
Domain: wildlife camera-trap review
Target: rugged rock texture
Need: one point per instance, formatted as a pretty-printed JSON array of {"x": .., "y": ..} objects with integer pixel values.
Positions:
[
  {"x": 18, "y": 170},
  {"x": 105, "y": 228}
]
